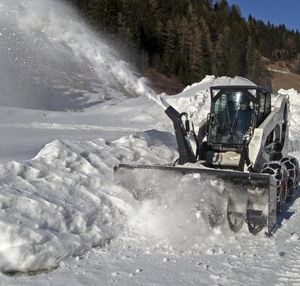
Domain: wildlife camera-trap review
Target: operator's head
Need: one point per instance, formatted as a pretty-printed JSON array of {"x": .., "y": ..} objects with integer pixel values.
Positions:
[{"x": 244, "y": 102}]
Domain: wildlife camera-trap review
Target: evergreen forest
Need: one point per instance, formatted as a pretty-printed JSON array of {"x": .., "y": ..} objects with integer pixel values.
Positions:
[{"x": 189, "y": 39}]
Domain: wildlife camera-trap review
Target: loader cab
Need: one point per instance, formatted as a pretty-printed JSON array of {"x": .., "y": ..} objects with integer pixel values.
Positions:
[
  {"x": 231, "y": 116},
  {"x": 264, "y": 98},
  {"x": 235, "y": 112}
]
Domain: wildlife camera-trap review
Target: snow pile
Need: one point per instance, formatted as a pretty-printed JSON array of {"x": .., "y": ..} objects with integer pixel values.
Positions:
[
  {"x": 211, "y": 80},
  {"x": 195, "y": 99},
  {"x": 195, "y": 102},
  {"x": 61, "y": 203},
  {"x": 294, "y": 118}
]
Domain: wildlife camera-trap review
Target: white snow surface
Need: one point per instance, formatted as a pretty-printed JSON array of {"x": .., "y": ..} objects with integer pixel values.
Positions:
[
  {"x": 64, "y": 201},
  {"x": 64, "y": 220},
  {"x": 62, "y": 212}
]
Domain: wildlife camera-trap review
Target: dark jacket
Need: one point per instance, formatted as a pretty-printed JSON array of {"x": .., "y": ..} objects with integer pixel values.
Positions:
[{"x": 243, "y": 120}]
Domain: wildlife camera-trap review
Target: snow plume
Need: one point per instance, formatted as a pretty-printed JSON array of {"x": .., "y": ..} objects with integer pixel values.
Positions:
[
  {"x": 144, "y": 89},
  {"x": 55, "y": 61},
  {"x": 172, "y": 209}
]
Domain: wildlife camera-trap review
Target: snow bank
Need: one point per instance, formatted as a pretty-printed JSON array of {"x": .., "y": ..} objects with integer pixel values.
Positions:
[
  {"x": 61, "y": 203},
  {"x": 294, "y": 118},
  {"x": 211, "y": 80}
]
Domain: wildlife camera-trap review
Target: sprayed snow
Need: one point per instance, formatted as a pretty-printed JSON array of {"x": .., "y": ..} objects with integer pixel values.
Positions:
[
  {"x": 83, "y": 44},
  {"x": 47, "y": 45},
  {"x": 143, "y": 89}
]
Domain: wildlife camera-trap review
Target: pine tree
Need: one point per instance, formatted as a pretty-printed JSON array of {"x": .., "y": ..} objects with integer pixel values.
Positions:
[
  {"x": 169, "y": 55},
  {"x": 207, "y": 65},
  {"x": 290, "y": 47},
  {"x": 192, "y": 38}
]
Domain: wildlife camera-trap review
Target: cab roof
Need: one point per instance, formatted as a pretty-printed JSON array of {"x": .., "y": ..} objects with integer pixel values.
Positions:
[{"x": 236, "y": 81}]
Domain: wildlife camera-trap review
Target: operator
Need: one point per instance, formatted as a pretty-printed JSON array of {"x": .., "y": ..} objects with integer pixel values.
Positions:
[{"x": 244, "y": 115}]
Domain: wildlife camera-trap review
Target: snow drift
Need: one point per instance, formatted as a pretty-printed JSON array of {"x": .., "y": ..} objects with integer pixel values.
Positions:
[{"x": 61, "y": 203}]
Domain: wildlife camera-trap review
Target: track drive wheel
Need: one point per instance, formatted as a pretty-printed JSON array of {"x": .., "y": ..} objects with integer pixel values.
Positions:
[
  {"x": 280, "y": 173},
  {"x": 292, "y": 166},
  {"x": 235, "y": 217}
]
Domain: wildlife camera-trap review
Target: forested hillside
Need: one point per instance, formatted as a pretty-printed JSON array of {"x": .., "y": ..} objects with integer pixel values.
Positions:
[{"x": 191, "y": 38}]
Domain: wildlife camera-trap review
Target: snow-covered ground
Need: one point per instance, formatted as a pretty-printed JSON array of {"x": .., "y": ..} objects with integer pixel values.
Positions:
[
  {"x": 62, "y": 209},
  {"x": 63, "y": 219}
]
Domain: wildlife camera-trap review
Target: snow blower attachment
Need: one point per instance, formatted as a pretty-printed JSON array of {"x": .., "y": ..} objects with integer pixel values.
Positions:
[{"x": 243, "y": 145}]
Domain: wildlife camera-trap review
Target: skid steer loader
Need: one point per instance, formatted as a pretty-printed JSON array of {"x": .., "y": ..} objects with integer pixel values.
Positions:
[{"x": 244, "y": 143}]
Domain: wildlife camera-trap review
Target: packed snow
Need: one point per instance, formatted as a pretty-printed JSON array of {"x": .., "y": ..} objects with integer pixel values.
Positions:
[{"x": 63, "y": 218}]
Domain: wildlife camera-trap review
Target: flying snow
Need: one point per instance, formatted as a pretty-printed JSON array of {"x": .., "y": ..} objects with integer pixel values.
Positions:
[{"x": 52, "y": 60}]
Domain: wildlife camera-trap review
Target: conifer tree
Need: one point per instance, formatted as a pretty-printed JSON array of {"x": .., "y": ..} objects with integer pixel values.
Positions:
[{"x": 191, "y": 38}]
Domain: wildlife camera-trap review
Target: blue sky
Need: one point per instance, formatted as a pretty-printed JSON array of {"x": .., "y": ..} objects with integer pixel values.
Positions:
[{"x": 278, "y": 12}]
